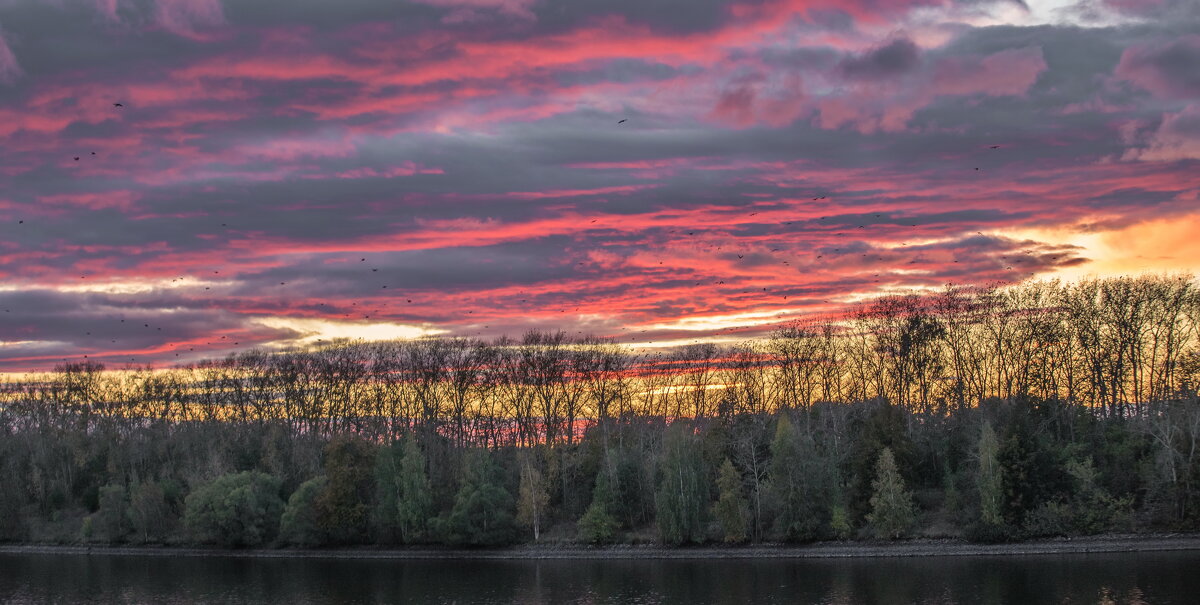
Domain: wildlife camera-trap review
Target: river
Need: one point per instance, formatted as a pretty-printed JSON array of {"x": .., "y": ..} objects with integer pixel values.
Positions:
[{"x": 1149, "y": 577}]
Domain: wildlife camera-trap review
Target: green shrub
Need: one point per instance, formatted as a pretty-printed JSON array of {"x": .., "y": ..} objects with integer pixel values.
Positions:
[
  {"x": 344, "y": 506},
  {"x": 300, "y": 523},
  {"x": 111, "y": 522},
  {"x": 1049, "y": 519},
  {"x": 839, "y": 522},
  {"x": 597, "y": 526},
  {"x": 240, "y": 509}
]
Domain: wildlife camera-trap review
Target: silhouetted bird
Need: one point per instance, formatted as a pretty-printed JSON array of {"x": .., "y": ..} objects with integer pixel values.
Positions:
[
  {"x": 76, "y": 158},
  {"x": 995, "y": 147},
  {"x": 117, "y": 105},
  {"x": 622, "y": 121}
]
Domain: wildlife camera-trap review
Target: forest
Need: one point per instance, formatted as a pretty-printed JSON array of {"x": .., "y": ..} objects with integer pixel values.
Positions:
[{"x": 987, "y": 413}]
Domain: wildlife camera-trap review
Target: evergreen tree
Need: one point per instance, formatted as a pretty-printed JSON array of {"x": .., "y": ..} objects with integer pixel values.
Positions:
[
  {"x": 598, "y": 525},
  {"x": 798, "y": 484},
  {"x": 892, "y": 509},
  {"x": 1031, "y": 469},
  {"x": 682, "y": 497},
  {"x": 883, "y": 426},
  {"x": 731, "y": 509},
  {"x": 483, "y": 508},
  {"x": 1094, "y": 509}
]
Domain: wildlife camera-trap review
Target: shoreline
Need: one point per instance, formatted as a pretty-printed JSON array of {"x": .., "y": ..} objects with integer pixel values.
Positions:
[{"x": 822, "y": 550}]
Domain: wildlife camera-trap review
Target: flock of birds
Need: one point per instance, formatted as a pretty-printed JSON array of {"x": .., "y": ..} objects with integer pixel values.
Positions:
[{"x": 366, "y": 314}]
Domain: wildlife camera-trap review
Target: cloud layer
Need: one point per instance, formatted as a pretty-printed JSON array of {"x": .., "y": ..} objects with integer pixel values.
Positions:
[{"x": 283, "y": 172}]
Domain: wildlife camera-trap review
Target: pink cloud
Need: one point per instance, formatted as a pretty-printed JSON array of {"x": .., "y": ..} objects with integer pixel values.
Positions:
[
  {"x": 121, "y": 200},
  {"x": 10, "y": 70},
  {"x": 888, "y": 105},
  {"x": 184, "y": 17},
  {"x": 465, "y": 9},
  {"x": 107, "y": 8},
  {"x": 756, "y": 100},
  {"x": 1008, "y": 72},
  {"x": 1167, "y": 69},
  {"x": 405, "y": 169},
  {"x": 1177, "y": 138},
  {"x": 296, "y": 148}
]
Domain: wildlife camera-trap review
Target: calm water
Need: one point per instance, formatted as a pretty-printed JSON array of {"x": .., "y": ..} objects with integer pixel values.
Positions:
[{"x": 1114, "y": 578}]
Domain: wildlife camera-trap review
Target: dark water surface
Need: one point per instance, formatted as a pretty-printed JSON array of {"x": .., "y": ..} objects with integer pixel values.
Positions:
[{"x": 1165, "y": 577}]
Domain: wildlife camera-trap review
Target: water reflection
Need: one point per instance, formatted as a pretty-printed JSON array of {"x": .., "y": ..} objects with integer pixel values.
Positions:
[{"x": 1149, "y": 578}]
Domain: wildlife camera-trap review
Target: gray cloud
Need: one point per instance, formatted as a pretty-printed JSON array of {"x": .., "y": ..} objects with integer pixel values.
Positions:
[{"x": 895, "y": 58}]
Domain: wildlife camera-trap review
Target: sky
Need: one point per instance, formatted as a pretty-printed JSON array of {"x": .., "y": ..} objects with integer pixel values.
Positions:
[{"x": 657, "y": 171}]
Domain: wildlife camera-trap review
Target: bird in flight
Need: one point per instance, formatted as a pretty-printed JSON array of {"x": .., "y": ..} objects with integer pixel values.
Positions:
[
  {"x": 117, "y": 105},
  {"x": 623, "y": 121},
  {"x": 995, "y": 147}
]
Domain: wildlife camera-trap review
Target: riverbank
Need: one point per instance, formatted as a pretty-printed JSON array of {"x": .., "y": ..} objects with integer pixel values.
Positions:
[{"x": 825, "y": 550}]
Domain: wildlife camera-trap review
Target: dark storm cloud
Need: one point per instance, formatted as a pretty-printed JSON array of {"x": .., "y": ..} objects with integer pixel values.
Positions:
[
  {"x": 892, "y": 59},
  {"x": 667, "y": 16}
]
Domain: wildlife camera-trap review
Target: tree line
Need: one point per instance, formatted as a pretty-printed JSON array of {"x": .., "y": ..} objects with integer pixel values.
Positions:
[{"x": 1040, "y": 409}]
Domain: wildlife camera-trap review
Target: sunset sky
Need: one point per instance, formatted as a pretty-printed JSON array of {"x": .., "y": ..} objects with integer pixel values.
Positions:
[{"x": 284, "y": 171}]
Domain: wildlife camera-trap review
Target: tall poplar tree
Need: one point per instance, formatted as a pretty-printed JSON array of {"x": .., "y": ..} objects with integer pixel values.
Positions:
[
  {"x": 682, "y": 497},
  {"x": 991, "y": 479},
  {"x": 731, "y": 509}
]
